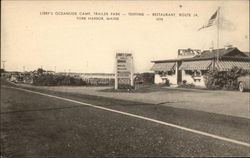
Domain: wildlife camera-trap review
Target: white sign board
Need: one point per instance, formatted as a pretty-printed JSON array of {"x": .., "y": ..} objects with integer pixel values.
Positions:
[{"x": 124, "y": 69}]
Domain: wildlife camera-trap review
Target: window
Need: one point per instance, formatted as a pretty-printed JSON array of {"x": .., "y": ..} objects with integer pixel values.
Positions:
[
  {"x": 203, "y": 72},
  {"x": 197, "y": 73},
  {"x": 170, "y": 72},
  {"x": 189, "y": 72}
]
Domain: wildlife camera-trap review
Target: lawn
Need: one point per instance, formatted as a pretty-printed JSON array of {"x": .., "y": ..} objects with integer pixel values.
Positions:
[{"x": 216, "y": 101}]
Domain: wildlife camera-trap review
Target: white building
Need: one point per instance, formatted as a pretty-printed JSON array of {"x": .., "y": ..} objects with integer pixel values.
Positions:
[{"x": 191, "y": 69}]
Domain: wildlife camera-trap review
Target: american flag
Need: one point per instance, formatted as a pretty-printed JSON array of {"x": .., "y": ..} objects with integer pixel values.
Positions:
[{"x": 211, "y": 21}]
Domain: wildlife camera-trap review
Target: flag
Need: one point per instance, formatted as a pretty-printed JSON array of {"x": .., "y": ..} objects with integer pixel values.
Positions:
[{"x": 211, "y": 21}]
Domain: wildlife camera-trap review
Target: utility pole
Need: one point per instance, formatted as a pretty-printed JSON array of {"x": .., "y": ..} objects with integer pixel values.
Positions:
[
  {"x": 3, "y": 64},
  {"x": 116, "y": 73},
  {"x": 55, "y": 68},
  {"x": 23, "y": 68}
]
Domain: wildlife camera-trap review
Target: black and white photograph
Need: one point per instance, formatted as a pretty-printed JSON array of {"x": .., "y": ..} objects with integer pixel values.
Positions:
[{"x": 106, "y": 78}]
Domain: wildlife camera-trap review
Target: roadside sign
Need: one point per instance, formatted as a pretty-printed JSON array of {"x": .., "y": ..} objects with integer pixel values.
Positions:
[{"x": 124, "y": 69}]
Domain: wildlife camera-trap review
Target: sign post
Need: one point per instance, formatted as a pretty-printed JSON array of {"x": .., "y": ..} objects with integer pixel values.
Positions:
[{"x": 124, "y": 70}]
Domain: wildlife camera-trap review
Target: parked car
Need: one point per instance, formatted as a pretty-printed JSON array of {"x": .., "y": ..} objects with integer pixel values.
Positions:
[{"x": 244, "y": 83}]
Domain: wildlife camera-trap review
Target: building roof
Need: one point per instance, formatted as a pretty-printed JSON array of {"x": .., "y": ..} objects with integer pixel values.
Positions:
[
  {"x": 182, "y": 59},
  {"x": 163, "y": 66},
  {"x": 196, "y": 65},
  {"x": 247, "y": 53},
  {"x": 228, "y": 64},
  {"x": 229, "y": 53},
  {"x": 233, "y": 52}
]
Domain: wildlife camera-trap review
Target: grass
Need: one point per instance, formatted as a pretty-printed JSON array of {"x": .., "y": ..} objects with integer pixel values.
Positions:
[
  {"x": 154, "y": 88},
  {"x": 138, "y": 89},
  {"x": 216, "y": 101}
]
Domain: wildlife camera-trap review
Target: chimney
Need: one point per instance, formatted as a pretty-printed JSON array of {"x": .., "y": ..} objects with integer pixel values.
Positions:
[{"x": 228, "y": 46}]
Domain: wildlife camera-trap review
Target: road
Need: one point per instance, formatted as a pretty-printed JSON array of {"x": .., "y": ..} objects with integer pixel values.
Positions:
[{"x": 63, "y": 125}]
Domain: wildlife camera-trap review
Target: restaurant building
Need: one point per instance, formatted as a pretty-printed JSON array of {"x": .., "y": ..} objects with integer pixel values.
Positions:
[{"x": 191, "y": 65}]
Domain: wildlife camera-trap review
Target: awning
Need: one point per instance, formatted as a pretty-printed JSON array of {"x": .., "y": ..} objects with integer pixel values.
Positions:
[
  {"x": 163, "y": 66},
  {"x": 227, "y": 65},
  {"x": 196, "y": 65}
]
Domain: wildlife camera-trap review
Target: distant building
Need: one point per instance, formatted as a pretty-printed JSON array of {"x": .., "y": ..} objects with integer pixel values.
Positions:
[
  {"x": 49, "y": 72},
  {"x": 192, "y": 69},
  {"x": 97, "y": 75}
]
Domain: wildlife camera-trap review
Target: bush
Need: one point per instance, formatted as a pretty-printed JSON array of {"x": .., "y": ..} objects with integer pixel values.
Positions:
[
  {"x": 63, "y": 80},
  {"x": 125, "y": 86},
  {"x": 186, "y": 85},
  {"x": 144, "y": 78},
  {"x": 215, "y": 79},
  {"x": 57, "y": 80},
  {"x": 99, "y": 81},
  {"x": 167, "y": 82},
  {"x": 184, "y": 82}
]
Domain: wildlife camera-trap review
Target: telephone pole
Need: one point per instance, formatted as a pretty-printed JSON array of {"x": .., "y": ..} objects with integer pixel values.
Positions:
[{"x": 3, "y": 64}]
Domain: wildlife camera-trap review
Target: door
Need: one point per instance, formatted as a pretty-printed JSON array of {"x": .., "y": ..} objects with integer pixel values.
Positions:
[{"x": 179, "y": 77}]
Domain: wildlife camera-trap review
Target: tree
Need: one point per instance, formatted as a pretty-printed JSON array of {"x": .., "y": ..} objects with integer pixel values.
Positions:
[
  {"x": 40, "y": 71},
  {"x": 2, "y": 70}
]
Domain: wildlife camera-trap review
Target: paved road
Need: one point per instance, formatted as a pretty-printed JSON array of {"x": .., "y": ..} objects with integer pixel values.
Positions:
[{"x": 38, "y": 125}]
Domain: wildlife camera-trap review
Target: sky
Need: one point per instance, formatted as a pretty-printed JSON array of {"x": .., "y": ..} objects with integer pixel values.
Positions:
[{"x": 61, "y": 42}]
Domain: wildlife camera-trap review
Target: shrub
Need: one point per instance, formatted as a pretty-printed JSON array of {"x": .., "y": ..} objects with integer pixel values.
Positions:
[
  {"x": 191, "y": 85},
  {"x": 57, "y": 80},
  {"x": 215, "y": 79},
  {"x": 144, "y": 78},
  {"x": 125, "y": 86},
  {"x": 184, "y": 82},
  {"x": 167, "y": 82}
]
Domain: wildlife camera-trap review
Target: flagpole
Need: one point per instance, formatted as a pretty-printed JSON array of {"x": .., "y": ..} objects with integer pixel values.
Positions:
[
  {"x": 211, "y": 23},
  {"x": 218, "y": 35}
]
